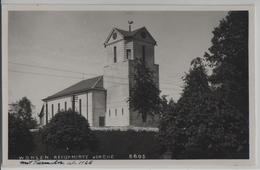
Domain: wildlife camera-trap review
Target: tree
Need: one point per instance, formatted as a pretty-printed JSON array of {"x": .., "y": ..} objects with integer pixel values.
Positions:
[
  {"x": 187, "y": 116},
  {"x": 144, "y": 95},
  {"x": 20, "y": 141},
  {"x": 70, "y": 131},
  {"x": 210, "y": 120},
  {"x": 228, "y": 57},
  {"x": 203, "y": 124},
  {"x": 167, "y": 111},
  {"x": 23, "y": 110}
]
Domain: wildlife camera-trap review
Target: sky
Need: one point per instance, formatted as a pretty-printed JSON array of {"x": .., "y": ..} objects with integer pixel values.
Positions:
[{"x": 49, "y": 51}]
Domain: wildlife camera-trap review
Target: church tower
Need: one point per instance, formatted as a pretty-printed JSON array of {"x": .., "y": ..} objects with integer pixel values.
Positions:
[{"x": 123, "y": 48}]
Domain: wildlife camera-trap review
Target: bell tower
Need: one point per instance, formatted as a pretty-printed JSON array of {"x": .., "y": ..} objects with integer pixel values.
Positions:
[{"x": 123, "y": 49}]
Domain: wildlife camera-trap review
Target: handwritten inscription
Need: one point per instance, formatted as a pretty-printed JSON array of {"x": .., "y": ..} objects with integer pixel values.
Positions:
[{"x": 55, "y": 162}]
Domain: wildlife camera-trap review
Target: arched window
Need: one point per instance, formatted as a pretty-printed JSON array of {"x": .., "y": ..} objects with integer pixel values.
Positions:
[
  {"x": 80, "y": 106},
  {"x": 58, "y": 107},
  {"x": 47, "y": 115},
  {"x": 52, "y": 110},
  {"x": 143, "y": 53}
]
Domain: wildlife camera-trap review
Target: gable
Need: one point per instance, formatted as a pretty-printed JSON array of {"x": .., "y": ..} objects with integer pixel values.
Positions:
[
  {"x": 136, "y": 34},
  {"x": 143, "y": 35},
  {"x": 114, "y": 36}
]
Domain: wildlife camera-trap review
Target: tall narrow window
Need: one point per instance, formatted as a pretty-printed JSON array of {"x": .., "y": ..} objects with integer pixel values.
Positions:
[
  {"x": 80, "y": 106},
  {"x": 65, "y": 106},
  {"x": 109, "y": 113},
  {"x": 122, "y": 111},
  {"x": 115, "y": 58},
  {"x": 58, "y": 107},
  {"x": 52, "y": 110},
  {"x": 143, "y": 53},
  {"x": 128, "y": 54},
  {"x": 87, "y": 106},
  {"x": 115, "y": 112},
  {"x": 47, "y": 113}
]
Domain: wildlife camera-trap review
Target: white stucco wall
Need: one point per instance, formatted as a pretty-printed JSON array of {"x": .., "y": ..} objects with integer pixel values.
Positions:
[
  {"x": 55, "y": 103},
  {"x": 116, "y": 83},
  {"x": 68, "y": 99},
  {"x": 92, "y": 106}
]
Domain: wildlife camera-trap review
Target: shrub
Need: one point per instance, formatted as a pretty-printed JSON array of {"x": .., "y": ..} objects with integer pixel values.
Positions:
[
  {"x": 68, "y": 130},
  {"x": 20, "y": 141}
]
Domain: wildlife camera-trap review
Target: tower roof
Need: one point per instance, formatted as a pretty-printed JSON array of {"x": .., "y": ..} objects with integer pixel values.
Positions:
[{"x": 130, "y": 34}]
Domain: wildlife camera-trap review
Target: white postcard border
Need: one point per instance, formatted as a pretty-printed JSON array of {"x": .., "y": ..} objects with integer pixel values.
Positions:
[{"x": 98, "y": 7}]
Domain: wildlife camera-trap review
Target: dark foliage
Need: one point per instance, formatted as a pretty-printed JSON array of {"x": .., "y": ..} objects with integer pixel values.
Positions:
[
  {"x": 123, "y": 143},
  {"x": 167, "y": 111},
  {"x": 20, "y": 141},
  {"x": 144, "y": 96},
  {"x": 210, "y": 120},
  {"x": 117, "y": 143},
  {"x": 69, "y": 131},
  {"x": 23, "y": 110},
  {"x": 228, "y": 56}
]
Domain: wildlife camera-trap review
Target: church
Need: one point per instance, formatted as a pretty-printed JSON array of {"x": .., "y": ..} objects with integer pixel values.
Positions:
[{"x": 103, "y": 100}]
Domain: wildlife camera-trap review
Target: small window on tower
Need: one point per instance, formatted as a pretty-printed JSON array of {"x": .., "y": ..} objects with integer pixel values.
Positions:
[
  {"x": 115, "y": 59},
  {"x": 115, "y": 112},
  {"x": 128, "y": 54},
  {"x": 122, "y": 111}
]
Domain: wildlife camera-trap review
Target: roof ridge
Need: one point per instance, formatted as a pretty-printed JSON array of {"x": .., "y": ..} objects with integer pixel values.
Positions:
[
  {"x": 99, "y": 78},
  {"x": 82, "y": 85},
  {"x": 130, "y": 31}
]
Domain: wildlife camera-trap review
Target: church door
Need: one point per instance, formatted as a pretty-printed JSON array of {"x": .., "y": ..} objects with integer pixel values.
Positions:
[{"x": 101, "y": 121}]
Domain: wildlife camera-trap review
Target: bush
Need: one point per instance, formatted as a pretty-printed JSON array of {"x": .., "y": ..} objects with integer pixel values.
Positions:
[
  {"x": 20, "y": 141},
  {"x": 70, "y": 131}
]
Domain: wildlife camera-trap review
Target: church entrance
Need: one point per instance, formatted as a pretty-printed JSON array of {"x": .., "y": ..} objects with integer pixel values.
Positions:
[{"x": 101, "y": 121}]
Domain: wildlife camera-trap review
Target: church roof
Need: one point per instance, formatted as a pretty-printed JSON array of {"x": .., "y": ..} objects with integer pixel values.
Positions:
[
  {"x": 95, "y": 83},
  {"x": 129, "y": 34}
]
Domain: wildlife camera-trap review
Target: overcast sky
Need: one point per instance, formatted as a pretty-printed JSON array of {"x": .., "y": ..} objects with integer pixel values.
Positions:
[{"x": 74, "y": 41}]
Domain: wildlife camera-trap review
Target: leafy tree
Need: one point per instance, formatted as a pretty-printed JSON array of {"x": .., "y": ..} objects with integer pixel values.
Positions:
[
  {"x": 188, "y": 116},
  {"x": 228, "y": 57},
  {"x": 210, "y": 120},
  {"x": 167, "y": 114},
  {"x": 70, "y": 131},
  {"x": 144, "y": 95},
  {"x": 20, "y": 141},
  {"x": 23, "y": 110},
  {"x": 203, "y": 124}
]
